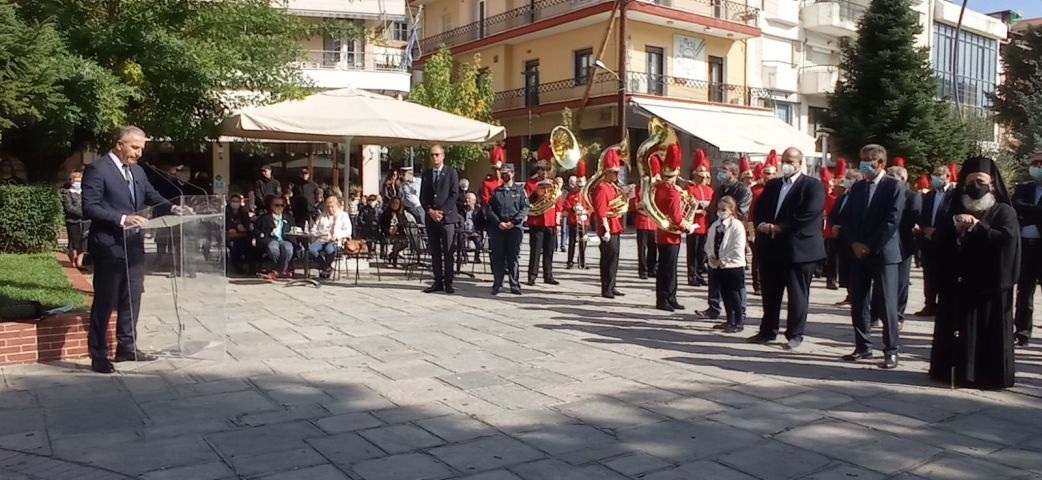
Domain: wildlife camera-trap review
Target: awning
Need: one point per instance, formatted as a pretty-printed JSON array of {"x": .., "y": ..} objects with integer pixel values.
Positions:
[{"x": 740, "y": 130}]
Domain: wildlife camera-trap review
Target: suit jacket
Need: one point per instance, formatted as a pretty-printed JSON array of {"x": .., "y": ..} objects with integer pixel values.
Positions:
[
  {"x": 926, "y": 212},
  {"x": 266, "y": 224},
  {"x": 836, "y": 214},
  {"x": 106, "y": 199},
  {"x": 1028, "y": 211},
  {"x": 741, "y": 195},
  {"x": 909, "y": 217},
  {"x": 441, "y": 195},
  {"x": 875, "y": 224},
  {"x": 800, "y": 219}
]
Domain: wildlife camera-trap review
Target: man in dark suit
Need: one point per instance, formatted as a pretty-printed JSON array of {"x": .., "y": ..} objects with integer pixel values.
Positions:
[
  {"x": 439, "y": 190},
  {"x": 114, "y": 188},
  {"x": 913, "y": 205},
  {"x": 934, "y": 204},
  {"x": 1026, "y": 201},
  {"x": 870, "y": 224},
  {"x": 788, "y": 219}
]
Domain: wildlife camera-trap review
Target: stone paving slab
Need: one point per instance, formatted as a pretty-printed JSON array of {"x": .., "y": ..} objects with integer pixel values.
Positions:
[{"x": 382, "y": 382}]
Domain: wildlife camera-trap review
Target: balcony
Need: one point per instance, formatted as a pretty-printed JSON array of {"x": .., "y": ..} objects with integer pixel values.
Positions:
[
  {"x": 837, "y": 18},
  {"x": 637, "y": 83},
  {"x": 818, "y": 80},
  {"x": 376, "y": 68},
  {"x": 736, "y": 14}
]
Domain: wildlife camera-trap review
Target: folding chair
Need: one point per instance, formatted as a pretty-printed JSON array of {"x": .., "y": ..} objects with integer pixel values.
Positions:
[{"x": 418, "y": 250}]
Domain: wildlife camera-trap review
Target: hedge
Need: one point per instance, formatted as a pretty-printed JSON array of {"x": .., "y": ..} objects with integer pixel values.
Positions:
[{"x": 30, "y": 218}]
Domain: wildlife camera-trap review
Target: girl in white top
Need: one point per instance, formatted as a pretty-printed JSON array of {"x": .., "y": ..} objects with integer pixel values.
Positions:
[
  {"x": 328, "y": 231},
  {"x": 725, "y": 247}
]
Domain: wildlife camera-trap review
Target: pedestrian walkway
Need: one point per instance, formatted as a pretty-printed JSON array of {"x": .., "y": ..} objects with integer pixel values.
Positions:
[{"x": 380, "y": 381}]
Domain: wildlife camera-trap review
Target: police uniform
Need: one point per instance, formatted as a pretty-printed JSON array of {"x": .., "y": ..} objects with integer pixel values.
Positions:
[{"x": 508, "y": 203}]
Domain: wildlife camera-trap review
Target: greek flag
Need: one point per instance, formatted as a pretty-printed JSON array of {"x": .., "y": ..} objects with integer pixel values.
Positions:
[{"x": 413, "y": 43}]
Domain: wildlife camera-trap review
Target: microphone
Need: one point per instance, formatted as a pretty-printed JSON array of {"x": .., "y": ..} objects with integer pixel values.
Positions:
[{"x": 165, "y": 176}]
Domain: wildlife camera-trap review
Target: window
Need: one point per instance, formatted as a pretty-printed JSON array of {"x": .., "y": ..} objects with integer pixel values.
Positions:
[
  {"x": 583, "y": 62},
  {"x": 976, "y": 70},
  {"x": 783, "y": 111},
  {"x": 656, "y": 80},
  {"x": 716, "y": 80},
  {"x": 531, "y": 83},
  {"x": 399, "y": 31},
  {"x": 816, "y": 119}
]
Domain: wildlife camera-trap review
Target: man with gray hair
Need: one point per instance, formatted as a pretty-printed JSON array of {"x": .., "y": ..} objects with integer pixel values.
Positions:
[
  {"x": 906, "y": 230},
  {"x": 727, "y": 186}
]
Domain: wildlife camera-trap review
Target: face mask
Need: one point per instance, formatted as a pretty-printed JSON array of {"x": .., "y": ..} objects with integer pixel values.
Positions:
[
  {"x": 76, "y": 185},
  {"x": 372, "y": 204},
  {"x": 936, "y": 182},
  {"x": 724, "y": 214},
  {"x": 235, "y": 206},
  {"x": 1035, "y": 172},
  {"x": 977, "y": 191},
  {"x": 506, "y": 177},
  {"x": 788, "y": 169},
  {"x": 721, "y": 177},
  {"x": 868, "y": 169}
]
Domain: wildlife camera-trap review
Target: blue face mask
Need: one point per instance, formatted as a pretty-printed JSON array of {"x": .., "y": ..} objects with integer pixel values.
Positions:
[
  {"x": 936, "y": 182},
  {"x": 867, "y": 169},
  {"x": 721, "y": 177},
  {"x": 1035, "y": 172}
]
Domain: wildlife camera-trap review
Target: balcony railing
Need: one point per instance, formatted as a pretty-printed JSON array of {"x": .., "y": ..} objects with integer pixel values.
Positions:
[
  {"x": 848, "y": 10},
  {"x": 353, "y": 60},
  {"x": 544, "y": 9},
  {"x": 637, "y": 83}
]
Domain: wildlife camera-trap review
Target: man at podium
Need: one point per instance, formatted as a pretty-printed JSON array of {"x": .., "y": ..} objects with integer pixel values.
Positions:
[{"x": 114, "y": 188}]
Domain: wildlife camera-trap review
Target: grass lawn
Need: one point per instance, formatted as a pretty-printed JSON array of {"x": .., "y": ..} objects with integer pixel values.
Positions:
[{"x": 36, "y": 277}]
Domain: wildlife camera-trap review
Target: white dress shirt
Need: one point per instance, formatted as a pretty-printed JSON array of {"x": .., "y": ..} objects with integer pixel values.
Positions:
[{"x": 785, "y": 187}]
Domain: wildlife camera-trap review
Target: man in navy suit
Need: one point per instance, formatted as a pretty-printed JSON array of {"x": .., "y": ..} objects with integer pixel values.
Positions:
[
  {"x": 934, "y": 204},
  {"x": 114, "y": 188},
  {"x": 1027, "y": 200},
  {"x": 788, "y": 219},
  {"x": 870, "y": 224},
  {"x": 439, "y": 190}
]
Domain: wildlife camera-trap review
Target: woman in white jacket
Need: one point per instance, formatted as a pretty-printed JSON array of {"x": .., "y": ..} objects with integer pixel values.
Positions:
[
  {"x": 327, "y": 234},
  {"x": 725, "y": 247}
]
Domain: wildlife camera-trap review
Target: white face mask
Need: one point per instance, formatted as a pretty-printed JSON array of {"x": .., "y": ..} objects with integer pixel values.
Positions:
[
  {"x": 724, "y": 214},
  {"x": 788, "y": 169}
]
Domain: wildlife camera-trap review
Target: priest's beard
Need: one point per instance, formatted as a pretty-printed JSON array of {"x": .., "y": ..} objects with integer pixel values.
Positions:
[{"x": 977, "y": 207}]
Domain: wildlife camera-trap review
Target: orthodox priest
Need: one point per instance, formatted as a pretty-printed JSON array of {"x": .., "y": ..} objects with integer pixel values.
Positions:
[{"x": 979, "y": 240}]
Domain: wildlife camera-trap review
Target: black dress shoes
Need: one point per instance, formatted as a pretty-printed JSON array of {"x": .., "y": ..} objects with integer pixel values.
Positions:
[
  {"x": 853, "y": 357},
  {"x": 531, "y": 282},
  {"x": 925, "y": 312},
  {"x": 618, "y": 293},
  {"x": 607, "y": 295},
  {"x": 449, "y": 289},
  {"x": 551, "y": 282},
  {"x": 665, "y": 307},
  {"x": 515, "y": 290},
  {"x": 676, "y": 305},
  {"x": 495, "y": 291},
  {"x": 831, "y": 285},
  {"x": 643, "y": 276},
  {"x": 102, "y": 365},
  {"x": 759, "y": 339},
  {"x": 1021, "y": 341},
  {"x": 889, "y": 361},
  {"x": 707, "y": 314},
  {"x": 137, "y": 356},
  {"x": 434, "y": 288}
]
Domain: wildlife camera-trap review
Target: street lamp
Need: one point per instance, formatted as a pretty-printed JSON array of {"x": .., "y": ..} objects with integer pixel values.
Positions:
[{"x": 599, "y": 64}]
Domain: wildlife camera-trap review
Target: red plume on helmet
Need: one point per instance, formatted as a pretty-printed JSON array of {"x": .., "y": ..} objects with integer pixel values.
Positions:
[
  {"x": 743, "y": 164},
  {"x": 841, "y": 167},
  {"x": 899, "y": 162},
  {"x": 772, "y": 159},
  {"x": 826, "y": 176},
  {"x": 954, "y": 168},
  {"x": 673, "y": 160},
  {"x": 700, "y": 162},
  {"x": 544, "y": 152},
  {"x": 923, "y": 183},
  {"x": 496, "y": 156},
  {"x": 580, "y": 168},
  {"x": 758, "y": 171},
  {"x": 611, "y": 160}
]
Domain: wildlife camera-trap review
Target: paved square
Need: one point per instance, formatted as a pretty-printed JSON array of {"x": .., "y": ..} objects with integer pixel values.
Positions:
[{"x": 380, "y": 381}]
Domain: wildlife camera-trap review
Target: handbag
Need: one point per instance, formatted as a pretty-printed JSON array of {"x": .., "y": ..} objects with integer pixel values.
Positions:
[{"x": 353, "y": 246}]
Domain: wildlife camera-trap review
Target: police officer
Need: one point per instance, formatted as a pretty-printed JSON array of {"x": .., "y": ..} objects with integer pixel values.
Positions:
[{"x": 507, "y": 209}]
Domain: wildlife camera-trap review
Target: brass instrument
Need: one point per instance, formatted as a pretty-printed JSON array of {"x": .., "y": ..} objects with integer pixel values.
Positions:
[
  {"x": 660, "y": 137},
  {"x": 618, "y": 206},
  {"x": 565, "y": 148}
]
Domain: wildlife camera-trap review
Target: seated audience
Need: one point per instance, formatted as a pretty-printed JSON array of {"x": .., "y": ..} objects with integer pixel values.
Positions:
[
  {"x": 272, "y": 232},
  {"x": 328, "y": 233}
]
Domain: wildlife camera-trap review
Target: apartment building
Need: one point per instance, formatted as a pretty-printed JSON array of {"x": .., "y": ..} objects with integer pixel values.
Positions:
[
  {"x": 686, "y": 61},
  {"x": 802, "y": 42}
]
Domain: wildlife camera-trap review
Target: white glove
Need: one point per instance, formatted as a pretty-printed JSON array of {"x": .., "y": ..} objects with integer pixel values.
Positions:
[
  {"x": 606, "y": 237},
  {"x": 703, "y": 203},
  {"x": 691, "y": 228}
]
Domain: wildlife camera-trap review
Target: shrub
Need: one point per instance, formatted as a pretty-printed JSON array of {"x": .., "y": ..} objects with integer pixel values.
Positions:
[{"x": 30, "y": 218}]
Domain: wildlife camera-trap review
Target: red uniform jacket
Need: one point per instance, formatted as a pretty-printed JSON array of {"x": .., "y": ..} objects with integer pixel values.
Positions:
[
  {"x": 488, "y": 186},
  {"x": 830, "y": 200},
  {"x": 549, "y": 217},
  {"x": 644, "y": 222},
  {"x": 667, "y": 199},
  {"x": 575, "y": 198},
  {"x": 602, "y": 196},
  {"x": 757, "y": 189},
  {"x": 530, "y": 185},
  {"x": 701, "y": 192}
]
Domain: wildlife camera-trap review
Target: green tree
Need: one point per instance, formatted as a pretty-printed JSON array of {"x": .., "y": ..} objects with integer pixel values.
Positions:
[
  {"x": 1018, "y": 101},
  {"x": 888, "y": 93},
  {"x": 459, "y": 88}
]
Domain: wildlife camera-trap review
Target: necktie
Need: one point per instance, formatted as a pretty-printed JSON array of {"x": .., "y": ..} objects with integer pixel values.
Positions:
[
  {"x": 437, "y": 175},
  {"x": 719, "y": 240},
  {"x": 130, "y": 183}
]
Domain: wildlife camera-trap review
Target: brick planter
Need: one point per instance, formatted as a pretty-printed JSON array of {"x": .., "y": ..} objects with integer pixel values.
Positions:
[{"x": 54, "y": 338}]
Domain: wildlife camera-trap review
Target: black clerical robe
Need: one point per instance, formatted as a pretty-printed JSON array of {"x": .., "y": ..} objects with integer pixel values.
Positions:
[{"x": 973, "y": 331}]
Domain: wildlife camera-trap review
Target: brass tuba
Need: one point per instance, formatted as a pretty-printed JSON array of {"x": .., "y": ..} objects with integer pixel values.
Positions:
[
  {"x": 660, "y": 137},
  {"x": 617, "y": 206},
  {"x": 565, "y": 148}
]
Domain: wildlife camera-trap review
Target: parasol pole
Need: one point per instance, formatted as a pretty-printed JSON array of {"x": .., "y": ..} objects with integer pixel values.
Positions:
[{"x": 347, "y": 167}]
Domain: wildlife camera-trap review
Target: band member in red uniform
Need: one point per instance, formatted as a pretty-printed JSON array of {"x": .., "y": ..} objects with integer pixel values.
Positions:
[
  {"x": 609, "y": 225},
  {"x": 830, "y": 269},
  {"x": 647, "y": 253},
  {"x": 696, "y": 242},
  {"x": 542, "y": 226},
  {"x": 667, "y": 199},
  {"x": 493, "y": 180},
  {"x": 544, "y": 155},
  {"x": 578, "y": 213}
]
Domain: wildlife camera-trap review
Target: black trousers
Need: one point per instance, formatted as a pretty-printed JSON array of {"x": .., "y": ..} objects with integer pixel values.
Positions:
[
  {"x": 696, "y": 258},
  {"x": 609, "y": 263},
  {"x": 754, "y": 257},
  {"x": 904, "y": 278},
  {"x": 779, "y": 279},
  {"x": 713, "y": 295},
  {"x": 541, "y": 240},
  {"x": 118, "y": 285},
  {"x": 931, "y": 272},
  {"x": 506, "y": 254},
  {"x": 732, "y": 291},
  {"x": 441, "y": 241},
  {"x": 573, "y": 239},
  {"x": 874, "y": 285},
  {"x": 666, "y": 274},
  {"x": 647, "y": 253},
  {"x": 832, "y": 248},
  {"x": 1030, "y": 274}
]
